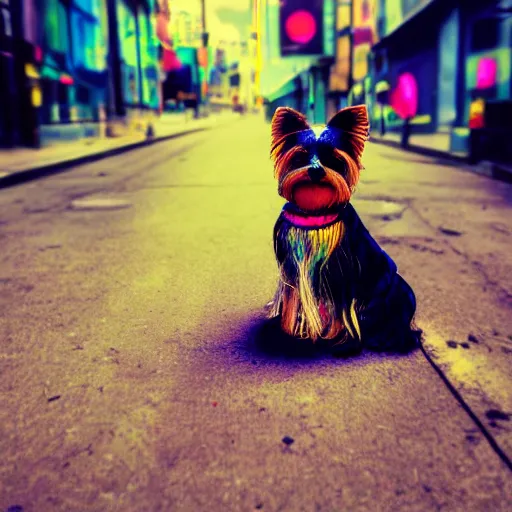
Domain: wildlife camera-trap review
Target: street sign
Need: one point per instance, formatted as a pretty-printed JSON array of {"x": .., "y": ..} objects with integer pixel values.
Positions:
[{"x": 301, "y": 27}]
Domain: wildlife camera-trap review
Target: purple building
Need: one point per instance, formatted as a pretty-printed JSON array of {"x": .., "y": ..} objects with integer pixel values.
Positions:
[{"x": 19, "y": 53}]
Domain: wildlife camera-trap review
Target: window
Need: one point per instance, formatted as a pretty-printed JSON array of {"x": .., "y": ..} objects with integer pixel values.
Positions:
[
  {"x": 5, "y": 23},
  {"x": 63, "y": 99},
  {"x": 57, "y": 26},
  {"x": 48, "y": 89},
  {"x": 485, "y": 34},
  {"x": 82, "y": 95},
  {"x": 80, "y": 41}
]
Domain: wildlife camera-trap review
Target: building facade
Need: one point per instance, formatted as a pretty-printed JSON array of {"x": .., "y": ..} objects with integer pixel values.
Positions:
[
  {"x": 69, "y": 66},
  {"x": 20, "y": 55},
  {"x": 73, "y": 68},
  {"x": 454, "y": 56},
  {"x": 299, "y": 81}
]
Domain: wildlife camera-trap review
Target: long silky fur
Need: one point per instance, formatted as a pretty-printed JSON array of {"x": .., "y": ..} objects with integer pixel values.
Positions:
[{"x": 315, "y": 296}]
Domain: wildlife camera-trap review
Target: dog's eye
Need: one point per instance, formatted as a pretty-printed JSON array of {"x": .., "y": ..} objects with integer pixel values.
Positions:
[
  {"x": 299, "y": 159},
  {"x": 328, "y": 158}
]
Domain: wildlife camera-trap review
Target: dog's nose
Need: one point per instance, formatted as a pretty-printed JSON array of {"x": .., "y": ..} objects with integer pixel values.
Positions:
[{"x": 316, "y": 173}]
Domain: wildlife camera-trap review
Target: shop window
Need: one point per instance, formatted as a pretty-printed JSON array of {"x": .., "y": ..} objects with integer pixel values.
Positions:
[
  {"x": 90, "y": 6},
  {"x": 47, "y": 87},
  {"x": 63, "y": 99},
  {"x": 57, "y": 26},
  {"x": 81, "y": 41},
  {"x": 82, "y": 95},
  {"x": 485, "y": 34},
  {"x": 5, "y": 23}
]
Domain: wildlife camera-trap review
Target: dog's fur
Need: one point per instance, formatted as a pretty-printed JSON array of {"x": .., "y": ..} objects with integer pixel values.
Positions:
[{"x": 336, "y": 283}]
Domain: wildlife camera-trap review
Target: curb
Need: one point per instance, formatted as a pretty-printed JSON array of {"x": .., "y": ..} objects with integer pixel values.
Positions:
[
  {"x": 485, "y": 168},
  {"x": 19, "y": 177}
]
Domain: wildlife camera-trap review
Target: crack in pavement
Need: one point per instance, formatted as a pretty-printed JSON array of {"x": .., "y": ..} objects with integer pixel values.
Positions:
[
  {"x": 485, "y": 432},
  {"x": 454, "y": 384},
  {"x": 384, "y": 240}
]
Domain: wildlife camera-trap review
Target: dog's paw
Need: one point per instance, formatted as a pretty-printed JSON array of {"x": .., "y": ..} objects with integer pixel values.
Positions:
[{"x": 347, "y": 347}]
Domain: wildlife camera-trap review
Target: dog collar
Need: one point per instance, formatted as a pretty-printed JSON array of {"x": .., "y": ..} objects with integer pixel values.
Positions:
[{"x": 304, "y": 220}]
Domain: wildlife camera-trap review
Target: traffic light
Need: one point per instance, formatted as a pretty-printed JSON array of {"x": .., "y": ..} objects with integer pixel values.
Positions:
[{"x": 301, "y": 24}]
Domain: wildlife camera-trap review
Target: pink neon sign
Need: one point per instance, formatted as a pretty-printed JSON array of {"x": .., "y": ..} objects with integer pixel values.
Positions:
[
  {"x": 404, "y": 98},
  {"x": 486, "y": 73}
]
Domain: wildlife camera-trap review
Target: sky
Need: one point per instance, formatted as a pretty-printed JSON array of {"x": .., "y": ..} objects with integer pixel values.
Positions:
[{"x": 226, "y": 19}]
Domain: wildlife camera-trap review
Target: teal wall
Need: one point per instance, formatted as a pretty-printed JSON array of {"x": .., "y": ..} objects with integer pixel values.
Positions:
[{"x": 277, "y": 71}]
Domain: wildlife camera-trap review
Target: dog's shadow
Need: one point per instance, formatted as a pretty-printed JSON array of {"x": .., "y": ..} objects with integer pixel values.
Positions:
[{"x": 264, "y": 338}]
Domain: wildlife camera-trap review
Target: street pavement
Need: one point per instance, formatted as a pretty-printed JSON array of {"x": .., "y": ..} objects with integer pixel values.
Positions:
[{"x": 137, "y": 373}]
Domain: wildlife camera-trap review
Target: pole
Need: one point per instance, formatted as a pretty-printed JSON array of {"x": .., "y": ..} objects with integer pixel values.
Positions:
[
  {"x": 203, "y": 16},
  {"x": 15, "y": 76},
  {"x": 205, "y": 45},
  {"x": 351, "y": 50},
  {"x": 140, "y": 75}
]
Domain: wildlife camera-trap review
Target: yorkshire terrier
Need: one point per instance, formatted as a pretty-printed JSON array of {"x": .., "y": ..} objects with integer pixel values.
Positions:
[{"x": 336, "y": 283}]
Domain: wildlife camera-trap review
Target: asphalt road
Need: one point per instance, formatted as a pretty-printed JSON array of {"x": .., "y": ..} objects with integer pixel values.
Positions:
[{"x": 132, "y": 370}]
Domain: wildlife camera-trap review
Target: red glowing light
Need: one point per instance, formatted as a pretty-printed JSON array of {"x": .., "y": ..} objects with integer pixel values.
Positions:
[
  {"x": 66, "y": 80},
  {"x": 301, "y": 27}
]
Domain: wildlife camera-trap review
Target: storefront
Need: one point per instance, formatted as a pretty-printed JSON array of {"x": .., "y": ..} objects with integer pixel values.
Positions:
[
  {"x": 73, "y": 72},
  {"x": 138, "y": 56},
  {"x": 8, "y": 123},
  {"x": 405, "y": 65},
  {"x": 19, "y": 72},
  {"x": 129, "y": 53},
  {"x": 487, "y": 102}
]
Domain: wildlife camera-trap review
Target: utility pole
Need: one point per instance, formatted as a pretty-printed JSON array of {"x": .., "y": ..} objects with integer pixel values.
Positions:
[
  {"x": 203, "y": 15},
  {"x": 351, "y": 50},
  {"x": 205, "y": 37}
]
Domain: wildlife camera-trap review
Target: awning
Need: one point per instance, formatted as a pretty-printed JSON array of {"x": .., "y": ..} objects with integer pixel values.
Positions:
[
  {"x": 285, "y": 89},
  {"x": 162, "y": 30},
  {"x": 413, "y": 15},
  {"x": 50, "y": 73},
  {"x": 170, "y": 60}
]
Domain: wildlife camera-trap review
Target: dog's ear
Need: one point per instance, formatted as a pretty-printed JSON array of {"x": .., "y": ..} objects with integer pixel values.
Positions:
[
  {"x": 354, "y": 126},
  {"x": 286, "y": 121}
]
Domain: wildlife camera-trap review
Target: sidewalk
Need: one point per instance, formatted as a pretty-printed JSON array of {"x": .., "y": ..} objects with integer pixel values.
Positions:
[
  {"x": 437, "y": 145},
  {"x": 23, "y": 164}
]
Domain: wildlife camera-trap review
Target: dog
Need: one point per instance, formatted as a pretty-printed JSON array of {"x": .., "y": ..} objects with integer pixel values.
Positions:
[{"x": 336, "y": 284}]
